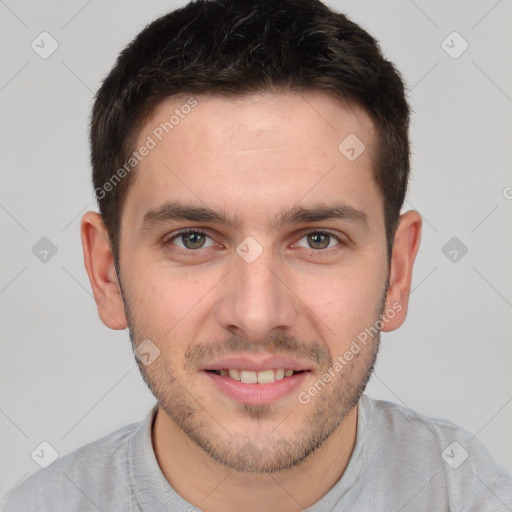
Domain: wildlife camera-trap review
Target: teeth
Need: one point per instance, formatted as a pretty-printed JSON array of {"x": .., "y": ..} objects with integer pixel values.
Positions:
[
  {"x": 263, "y": 377},
  {"x": 266, "y": 376},
  {"x": 234, "y": 374},
  {"x": 248, "y": 377}
]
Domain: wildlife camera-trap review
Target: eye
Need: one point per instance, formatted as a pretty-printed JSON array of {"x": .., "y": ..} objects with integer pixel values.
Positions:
[
  {"x": 321, "y": 240},
  {"x": 191, "y": 240}
]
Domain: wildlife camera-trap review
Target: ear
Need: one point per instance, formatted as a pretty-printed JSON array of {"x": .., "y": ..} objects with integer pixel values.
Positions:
[
  {"x": 405, "y": 247},
  {"x": 99, "y": 263}
]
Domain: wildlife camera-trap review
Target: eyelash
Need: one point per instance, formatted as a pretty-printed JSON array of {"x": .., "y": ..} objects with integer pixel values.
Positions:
[{"x": 187, "y": 252}]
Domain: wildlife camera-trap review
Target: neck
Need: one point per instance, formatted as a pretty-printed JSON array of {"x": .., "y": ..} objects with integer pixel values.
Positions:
[{"x": 212, "y": 487}]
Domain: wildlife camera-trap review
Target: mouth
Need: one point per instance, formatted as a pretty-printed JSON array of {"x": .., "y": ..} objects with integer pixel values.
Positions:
[{"x": 254, "y": 381}]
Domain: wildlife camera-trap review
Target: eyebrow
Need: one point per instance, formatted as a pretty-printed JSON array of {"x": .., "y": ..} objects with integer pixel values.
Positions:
[{"x": 178, "y": 211}]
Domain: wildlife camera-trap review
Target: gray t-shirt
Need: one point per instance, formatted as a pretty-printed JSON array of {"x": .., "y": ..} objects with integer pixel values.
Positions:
[{"x": 402, "y": 461}]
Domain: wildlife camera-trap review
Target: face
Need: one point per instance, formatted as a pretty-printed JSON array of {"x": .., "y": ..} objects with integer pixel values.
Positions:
[{"x": 252, "y": 248}]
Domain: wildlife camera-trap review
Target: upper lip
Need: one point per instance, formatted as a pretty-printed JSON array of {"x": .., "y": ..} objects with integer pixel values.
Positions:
[{"x": 256, "y": 364}]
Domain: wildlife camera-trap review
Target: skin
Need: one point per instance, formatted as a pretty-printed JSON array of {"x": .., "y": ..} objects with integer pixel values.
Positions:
[{"x": 253, "y": 156}]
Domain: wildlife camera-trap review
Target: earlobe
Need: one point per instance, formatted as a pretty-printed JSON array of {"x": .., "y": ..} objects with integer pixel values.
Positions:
[
  {"x": 99, "y": 263},
  {"x": 405, "y": 247}
]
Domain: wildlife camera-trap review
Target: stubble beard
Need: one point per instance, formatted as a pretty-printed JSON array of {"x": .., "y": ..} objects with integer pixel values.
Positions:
[{"x": 272, "y": 453}]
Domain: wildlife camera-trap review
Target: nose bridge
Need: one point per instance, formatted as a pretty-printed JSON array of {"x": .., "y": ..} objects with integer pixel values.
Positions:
[{"x": 255, "y": 300}]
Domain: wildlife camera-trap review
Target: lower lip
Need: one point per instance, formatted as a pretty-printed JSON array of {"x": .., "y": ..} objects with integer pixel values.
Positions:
[{"x": 257, "y": 394}]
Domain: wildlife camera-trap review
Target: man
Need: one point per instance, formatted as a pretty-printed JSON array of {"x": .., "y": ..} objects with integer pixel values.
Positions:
[{"x": 250, "y": 161}]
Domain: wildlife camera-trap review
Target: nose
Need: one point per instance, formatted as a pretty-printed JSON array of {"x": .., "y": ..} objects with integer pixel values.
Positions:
[{"x": 256, "y": 301}]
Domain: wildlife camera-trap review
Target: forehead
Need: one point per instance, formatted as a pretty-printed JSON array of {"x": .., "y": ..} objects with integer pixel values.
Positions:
[{"x": 255, "y": 154}]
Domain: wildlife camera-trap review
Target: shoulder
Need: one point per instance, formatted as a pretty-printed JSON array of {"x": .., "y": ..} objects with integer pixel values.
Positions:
[
  {"x": 81, "y": 480},
  {"x": 457, "y": 463},
  {"x": 415, "y": 429}
]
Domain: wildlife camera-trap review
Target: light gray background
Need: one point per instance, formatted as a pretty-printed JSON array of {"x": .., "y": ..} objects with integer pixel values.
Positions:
[{"x": 67, "y": 379}]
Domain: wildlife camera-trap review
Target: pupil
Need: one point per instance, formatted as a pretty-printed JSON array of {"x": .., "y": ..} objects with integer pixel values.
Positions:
[
  {"x": 193, "y": 238},
  {"x": 323, "y": 237}
]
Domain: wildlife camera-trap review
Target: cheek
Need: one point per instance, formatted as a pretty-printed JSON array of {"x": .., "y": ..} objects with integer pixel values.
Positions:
[
  {"x": 345, "y": 302},
  {"x": 165, "y": 305}
]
